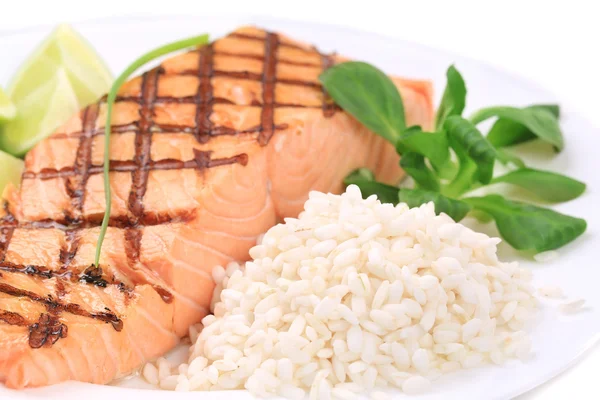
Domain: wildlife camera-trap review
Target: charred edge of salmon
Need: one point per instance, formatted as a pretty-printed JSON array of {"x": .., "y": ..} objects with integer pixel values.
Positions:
[{"x": 57, "y": 307}]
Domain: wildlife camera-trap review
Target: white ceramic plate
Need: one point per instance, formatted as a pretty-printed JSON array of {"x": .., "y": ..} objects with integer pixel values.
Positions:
[{"x": 558, "y": 340}]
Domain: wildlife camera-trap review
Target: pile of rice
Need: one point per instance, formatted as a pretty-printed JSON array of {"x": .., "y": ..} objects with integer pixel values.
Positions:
[{"x": 357, "y": 296}]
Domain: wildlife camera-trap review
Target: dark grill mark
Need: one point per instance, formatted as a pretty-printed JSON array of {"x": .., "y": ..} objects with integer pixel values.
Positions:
[
  {"x": 69, "y": 250},
  {"x": 192, "y": 100},
  {"x": 143, "y": 143},
  {"x": 56, "y": 307},
  {"x": 329, "y": 106},
  {"x": 76, "y": 185},
  {"x": 12, "y": 318},
  {"x": 108, "y": 316},
  {"x": 133, "y": 244},
  {"x": 5, "y": 237},
  {"x": 247, "y": 36},
  {"x": 164, "y": 294},
  {"x": 119, "y": 222},
  {"x": 42, "y": 272},
  {"x": 61, "y": 289},
  {"x": 93, "y": 275},
  {"x": 169, "y": 128},
  {"x": 251, "y": 76},
  {"x": 203, "y": 159},
  {"x": 114, "y": 130},
  {"x": 130, "y": 166},
  {"x": 7, "y": 228},
  {"x": 204, "y": 96},
  {"x": 260, "y": 58},
  {"x": 243, "y": 75},
  {"x": 46, "y": 331},
  {"x": 268, "y": 88}
]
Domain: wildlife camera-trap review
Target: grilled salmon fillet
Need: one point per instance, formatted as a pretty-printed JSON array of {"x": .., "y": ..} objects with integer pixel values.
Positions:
[{"x": 208, "y": 151}]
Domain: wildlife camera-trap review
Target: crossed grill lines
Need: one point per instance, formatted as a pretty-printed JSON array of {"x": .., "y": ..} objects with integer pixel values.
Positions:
[{"x": 78, "y": 175}]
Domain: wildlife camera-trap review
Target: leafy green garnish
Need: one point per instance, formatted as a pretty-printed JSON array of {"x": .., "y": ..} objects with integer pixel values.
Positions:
[
  {"x": 465, "y": 134},
  {"x": 112, "y": 95},
  {"x": 456, "y": 209},
  {"x": 538, "y": 120},
  {"x": 414, "y": 165},
  {"x": 453, "y": 99},
  {"x": 431, "y": 145},
  {"x": 457, "y": 158},
  {"x": 466, "y": 175},
  {"x": 528, "y": 227},
  {"x": 507, "y": 158},
  {"x": 507, "y": 132},
  {"x": 547, "y": 185},
  {"x": 368, "y": 95}
]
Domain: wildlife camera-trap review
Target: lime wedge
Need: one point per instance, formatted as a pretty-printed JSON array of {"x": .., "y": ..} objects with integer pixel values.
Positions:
[
  {"x": 39, "y": 114},
  {"x": 11, "y": 169},
  {"x": 61, "y": 76},
  {"x": 63, "y": 48},
  {"x": 7, "y": 109}
]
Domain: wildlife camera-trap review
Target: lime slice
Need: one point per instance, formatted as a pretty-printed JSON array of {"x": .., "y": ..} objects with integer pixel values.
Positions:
[
  {"x": 7, "y": 108},
  {"x": 11, "y": 168},
  {"x": 61, "y": 76}
]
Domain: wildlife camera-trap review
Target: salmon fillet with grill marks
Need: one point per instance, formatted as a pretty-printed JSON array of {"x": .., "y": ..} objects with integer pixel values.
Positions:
[{"x": 208, "y": 151}]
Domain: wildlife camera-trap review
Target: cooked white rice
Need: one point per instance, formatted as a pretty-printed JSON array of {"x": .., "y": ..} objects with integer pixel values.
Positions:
[{"x": 354, "y": 296}]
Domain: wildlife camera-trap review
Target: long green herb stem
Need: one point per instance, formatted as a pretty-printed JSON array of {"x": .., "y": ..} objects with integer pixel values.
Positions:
[{"x": 112, "y": 95}]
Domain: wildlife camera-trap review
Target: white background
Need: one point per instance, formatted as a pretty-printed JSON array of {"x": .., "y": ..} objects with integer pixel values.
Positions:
[{"x": 554, "y": 43}]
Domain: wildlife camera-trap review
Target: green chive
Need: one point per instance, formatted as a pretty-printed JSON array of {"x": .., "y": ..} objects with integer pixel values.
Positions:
[{"x": 112, "y": 95}]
